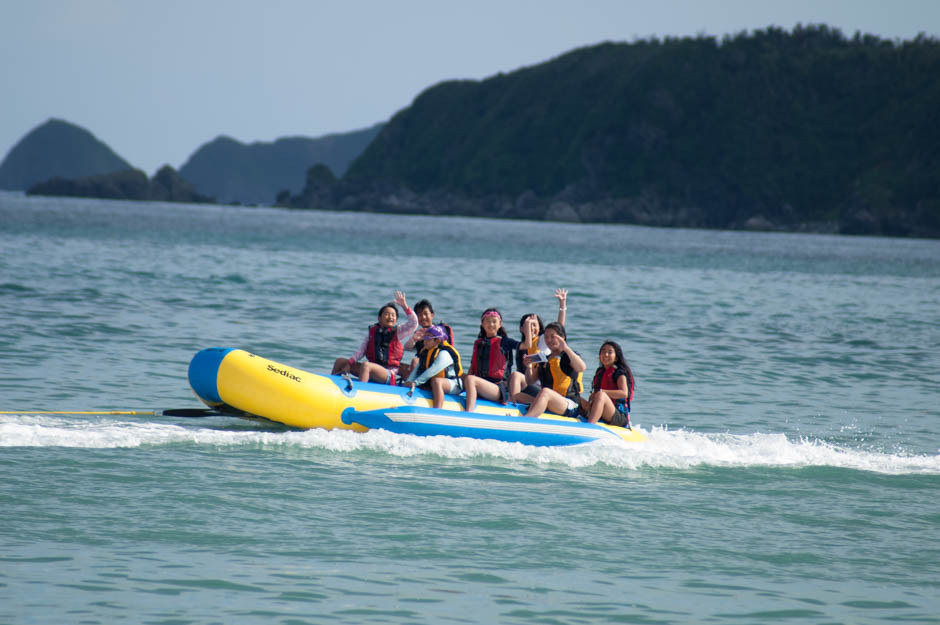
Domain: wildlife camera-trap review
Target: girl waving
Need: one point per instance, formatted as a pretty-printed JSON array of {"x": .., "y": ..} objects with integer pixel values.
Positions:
[{"x": 382, "y": 346}]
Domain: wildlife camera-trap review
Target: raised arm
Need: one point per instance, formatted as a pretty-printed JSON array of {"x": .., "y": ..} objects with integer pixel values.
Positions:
[
  {"x": 400, "y": 299},
  {"x": 562, "y": 296},
  {"x": 530, "y": 330},
  {"x": 407, "y": 328}
]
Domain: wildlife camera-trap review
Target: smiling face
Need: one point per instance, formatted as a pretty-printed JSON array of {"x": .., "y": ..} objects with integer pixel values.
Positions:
[
  {"x": 607, "y": 356},
  {"x": 388, "y": 317},
  {"x": 425, "y": 317},
  {"x": 491, "y": 325},
  {"x": 553, "y": 340}
]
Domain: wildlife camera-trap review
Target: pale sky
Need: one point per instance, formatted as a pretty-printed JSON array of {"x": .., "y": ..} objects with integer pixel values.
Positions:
[{"x": 157, "y": 79}]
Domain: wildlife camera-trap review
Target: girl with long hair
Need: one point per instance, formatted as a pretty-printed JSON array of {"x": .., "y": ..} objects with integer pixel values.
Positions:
[
  {"x": 491, "y": 363},
  {"x": 612, "y": 390}
]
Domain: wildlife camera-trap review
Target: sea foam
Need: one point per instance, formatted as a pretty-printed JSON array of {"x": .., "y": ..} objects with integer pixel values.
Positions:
[{"x": 676, "y": 449}]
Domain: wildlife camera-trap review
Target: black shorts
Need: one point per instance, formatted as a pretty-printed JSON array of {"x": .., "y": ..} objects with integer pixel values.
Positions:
[
  {"x": 618, "y": 418},
  {"x": 503, "y": 392},
  {"x": 532, "y": 390}
]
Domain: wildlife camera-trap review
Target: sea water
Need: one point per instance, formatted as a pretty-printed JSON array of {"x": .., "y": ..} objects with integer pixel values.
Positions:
[{"x": 789, "y": 385}]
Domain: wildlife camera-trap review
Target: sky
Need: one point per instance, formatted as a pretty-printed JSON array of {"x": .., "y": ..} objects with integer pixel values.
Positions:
[{"x": 155, "y": 80}]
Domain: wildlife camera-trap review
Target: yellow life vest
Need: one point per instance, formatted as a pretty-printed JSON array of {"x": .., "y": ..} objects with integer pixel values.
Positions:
[
  {"x": 534, "y": 347},
  {"x": 428, "y": 357},
  {"x": 552, "y": 375}
]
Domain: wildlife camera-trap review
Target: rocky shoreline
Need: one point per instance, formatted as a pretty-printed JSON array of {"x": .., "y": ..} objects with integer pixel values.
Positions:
[{"x": 647, "y": 209}]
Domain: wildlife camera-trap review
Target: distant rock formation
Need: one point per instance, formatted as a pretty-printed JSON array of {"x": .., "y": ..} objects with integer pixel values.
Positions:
[
  {"x": 130, "y": 184},
  {"x": 57, "y": 149},
  {"x": 167, "y": 185},
  {"x": 254, "y": 174}
]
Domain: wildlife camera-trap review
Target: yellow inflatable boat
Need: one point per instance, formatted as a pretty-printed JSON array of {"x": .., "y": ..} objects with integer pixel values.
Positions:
[{"x": 237, "y": 382}]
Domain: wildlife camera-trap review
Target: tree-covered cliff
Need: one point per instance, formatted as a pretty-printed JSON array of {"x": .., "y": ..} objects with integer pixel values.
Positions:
[{"x": 799, "y": 130}]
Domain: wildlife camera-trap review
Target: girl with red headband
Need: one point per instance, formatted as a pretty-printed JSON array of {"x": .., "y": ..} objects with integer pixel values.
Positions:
[{"x": 491, "y": 363}]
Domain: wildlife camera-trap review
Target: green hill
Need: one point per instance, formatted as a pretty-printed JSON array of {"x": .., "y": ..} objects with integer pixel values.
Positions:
[
  {"x": 57, "y": 149},
  {"x": 255, "y": 173},
  {"x": 801, "y": 130}
]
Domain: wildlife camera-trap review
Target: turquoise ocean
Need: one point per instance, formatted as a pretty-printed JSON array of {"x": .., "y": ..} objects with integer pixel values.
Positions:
[{"x": 789, "y": 385}]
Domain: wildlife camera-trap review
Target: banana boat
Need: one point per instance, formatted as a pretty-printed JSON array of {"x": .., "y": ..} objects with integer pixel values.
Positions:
[{"x": 237, "y": 382}]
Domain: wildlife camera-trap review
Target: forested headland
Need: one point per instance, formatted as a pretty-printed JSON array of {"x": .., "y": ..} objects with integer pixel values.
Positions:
[{"x": 802, "y": 130}]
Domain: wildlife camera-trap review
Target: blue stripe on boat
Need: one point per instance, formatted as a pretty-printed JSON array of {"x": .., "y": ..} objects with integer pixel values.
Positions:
[{"x": 434, "y": 422}]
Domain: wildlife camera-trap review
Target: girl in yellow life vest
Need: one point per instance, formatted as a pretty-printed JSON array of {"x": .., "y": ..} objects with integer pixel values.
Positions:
[
  {"x": 438, "y": 367},
  {"x": 560, "y": 376}
]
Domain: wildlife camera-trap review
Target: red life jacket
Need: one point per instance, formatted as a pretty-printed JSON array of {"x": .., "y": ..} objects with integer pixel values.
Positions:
[
  {"x": 489, "y": 360},
  {"x": 604, "y": 381},
  {"x": 383, "y": 347}
]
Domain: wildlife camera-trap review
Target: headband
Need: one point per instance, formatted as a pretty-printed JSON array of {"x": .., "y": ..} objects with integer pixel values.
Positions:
[{"x": 491, "y": 313}]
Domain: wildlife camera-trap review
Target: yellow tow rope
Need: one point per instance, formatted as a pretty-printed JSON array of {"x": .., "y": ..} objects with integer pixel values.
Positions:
[
  {"x": 174, "y": 412},
  {"x": 103, "y": 412}
]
